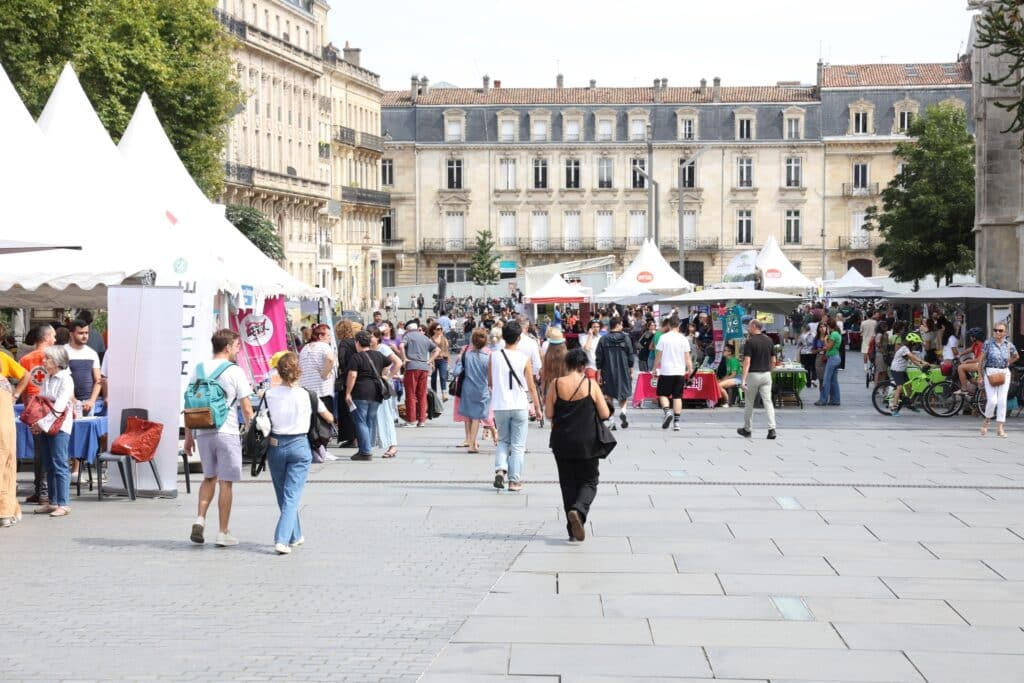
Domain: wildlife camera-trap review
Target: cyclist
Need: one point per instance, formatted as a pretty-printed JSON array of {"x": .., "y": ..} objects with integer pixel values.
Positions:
[
  {"x": 904, "y": 354},
  {"x": 975, "y": 340}
]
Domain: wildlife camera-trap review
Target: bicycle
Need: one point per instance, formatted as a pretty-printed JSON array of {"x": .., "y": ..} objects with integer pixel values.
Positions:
[
  {"x": 869, "y": 373},
  {"x": 918, "y": 383}
]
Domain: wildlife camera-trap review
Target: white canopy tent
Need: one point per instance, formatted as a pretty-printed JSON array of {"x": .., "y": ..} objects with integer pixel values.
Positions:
[
  {"x": 777, "y": 273},
  {"x": 626, "y": 293},
  {"x": 652, "y": 272},
  {"x": 852, "y": 281},
  {"x": 761, "y": 300},
  {"x": 557, "y": 291}
]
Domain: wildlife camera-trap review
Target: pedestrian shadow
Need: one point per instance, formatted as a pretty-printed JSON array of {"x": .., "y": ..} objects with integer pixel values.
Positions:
[{"x": 171, "y": 545}]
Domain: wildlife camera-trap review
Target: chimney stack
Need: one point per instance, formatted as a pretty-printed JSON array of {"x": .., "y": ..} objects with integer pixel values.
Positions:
[
  {"x": 703, "y": 87},
  {"x": 414, "y": 88},
  {"x": 593, "y": 84},
  {"x": 487, "y": 83},
  {"x": 424, "y": 85},
  {"x": 656, "y": 94},
  {"x": 716, "y": 89},
  {"x": 821, "y": 74},
  {"x": 351, "y": 54},
  {"x": 560, "y": 81},
  {"x": 497, "y": 84}
]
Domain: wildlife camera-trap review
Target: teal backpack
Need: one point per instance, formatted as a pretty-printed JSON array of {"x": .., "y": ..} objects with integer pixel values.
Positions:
[{"x": 206, "y": 404}]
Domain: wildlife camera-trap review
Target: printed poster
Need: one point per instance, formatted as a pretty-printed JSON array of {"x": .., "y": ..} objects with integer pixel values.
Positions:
[{"x": 263, "y": 335}]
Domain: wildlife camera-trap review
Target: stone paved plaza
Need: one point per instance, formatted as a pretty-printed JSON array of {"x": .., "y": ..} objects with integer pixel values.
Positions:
[{"x": 853, "y": 548}]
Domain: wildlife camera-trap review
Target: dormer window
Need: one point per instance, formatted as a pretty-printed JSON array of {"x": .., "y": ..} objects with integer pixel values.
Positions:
[
  {"x": 906, "y": 111},
  {"x": 605, "y": 125},
  {"x": 455, "y": 125},
  {"x": 686, "y": 124},
  {"x": 746, "y": 123},
  {"x": 793, "y": 123},
  {"x": 862, "y": 115},
  {"x": 572, "y": 125},
  {"x": 638, "y": 120},
  {"x": 540, "y": 126},
  {"x": 508, "y": 126}
]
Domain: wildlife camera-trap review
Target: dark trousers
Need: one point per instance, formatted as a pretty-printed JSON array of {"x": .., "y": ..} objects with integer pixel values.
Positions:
[
  {"x": 807, "y": 360},
  {"x": 39, "y": 481},
  {"x": 346, "y": 425},
  {"x": 842, "y": 354},
  {"x": 578, "y": 480}
]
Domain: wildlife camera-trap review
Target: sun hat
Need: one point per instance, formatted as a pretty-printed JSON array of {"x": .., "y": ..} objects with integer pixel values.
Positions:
[{"x": 555, "y": 336}]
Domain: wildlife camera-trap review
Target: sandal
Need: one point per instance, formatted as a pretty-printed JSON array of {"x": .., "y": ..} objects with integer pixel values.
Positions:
[
  {"x": 61, "y": 512},
  {"x": 463, "y": 445},
  {"x": 391, "y": 452},
  {"x": 1000, "y": 432},
  {"x": 473, "y": 450},
  {"x": 515, "y": 486},
  {"x": 45, "y": 509},
  {"x": 984, "y": 426}
]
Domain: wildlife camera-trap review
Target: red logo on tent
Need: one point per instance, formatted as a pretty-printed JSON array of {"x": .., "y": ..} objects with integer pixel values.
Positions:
[
  {"x": 645, "y": 276},
  {"x": 171, "y": 217},
  {"x": 773, "y": 273}
]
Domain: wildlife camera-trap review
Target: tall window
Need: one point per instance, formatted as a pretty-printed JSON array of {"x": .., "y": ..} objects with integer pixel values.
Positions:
[
  {"x": 387, "y": 275},
  {"x": 794, "y": 172},
  {"x": 745, "y": 172},
  {"x": 455, "y": 174},
  {"x": 744, "y": 226},
  {"x": 687, "y": 129},
  {"x": 540, "y": 174},
  {"x": 860, "y": 122},
  {"x": 746, "y": 129},
  {"x": 604, "y": 130},
  {"x": 540, "y": 131},
  {"x": 689, "y": 173},
  {"x": 605, "y": 173},
  {"x": 507, "y": 229},
  {"x": 508, "y": 130},
  {"x": 455, "y": 229},
  {"x": 637, "y": 227},
  {"x": 860, "y": 176},
  {"x": 572, "y": 130},
  {"x": 792, "y": 226},
  {"x": 507, "y": 174},
  {"x": 453, "y": 131},
  {"x": 454, "y": 272},
  {"x": 387, "y": 227},
  {"x": 539, "y": 229},
  {"x": 572, "y": 174},
  {"x": 637, "y": 129},
  {"x": 604, "y": 230},
  {"x": 792, "y": 128},
  {"x": 689, "y": 225},
  {"x": 905, "y": 119},
  {"x": 571, "y": 232},
  {"x": 638, "y": 181},
  {"x": 387, "y": 172}
]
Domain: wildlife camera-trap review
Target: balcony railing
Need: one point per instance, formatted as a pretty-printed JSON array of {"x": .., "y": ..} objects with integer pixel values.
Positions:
[
  {"x": 327, "y": 252},
  {"x": 855, "y": 242},
  {"x": 634, "y": 241},
  {"x": 508, "y": 242},
  {"x": 234, "y": 26},
  {"x": 609, "y": 243},
  {"x": 392, "y": 243},
  {"x": 449, "y": 244},
  {"x": 359, "y": 195},
  {"x": 238, "y": 174},
  {"x": 345, "y": 135},
  {"x": 690, "y": 243},
  {"x": 853, "y": 190},
  {"x": 369, "y": 141}
]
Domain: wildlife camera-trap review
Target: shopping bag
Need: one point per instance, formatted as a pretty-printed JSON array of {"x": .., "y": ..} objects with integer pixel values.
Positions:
[{"x": 139, "y": 440}]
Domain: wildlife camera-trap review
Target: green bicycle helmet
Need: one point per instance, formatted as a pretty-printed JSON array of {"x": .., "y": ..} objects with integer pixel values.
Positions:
[{"x": 912, "y": 338}]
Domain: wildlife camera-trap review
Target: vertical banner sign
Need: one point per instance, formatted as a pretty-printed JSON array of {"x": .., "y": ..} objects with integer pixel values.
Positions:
[
  {"x": 732, "y": 324},
  {"x": 263, "y": 335}
]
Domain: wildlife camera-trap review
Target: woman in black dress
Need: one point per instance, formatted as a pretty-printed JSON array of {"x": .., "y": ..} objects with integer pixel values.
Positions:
[{"x": 574, "y": 404}]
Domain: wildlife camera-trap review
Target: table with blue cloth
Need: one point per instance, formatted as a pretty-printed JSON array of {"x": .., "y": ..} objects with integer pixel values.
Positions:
[{"x": 83, "y": 445}]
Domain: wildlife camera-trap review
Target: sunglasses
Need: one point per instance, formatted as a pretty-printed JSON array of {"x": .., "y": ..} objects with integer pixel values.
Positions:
[{"x": 998, "y": 329}]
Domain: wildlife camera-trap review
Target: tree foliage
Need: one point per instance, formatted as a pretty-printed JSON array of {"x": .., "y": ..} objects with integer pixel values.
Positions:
[
  {"x": 1001, "y": 30},
  {"x": 175, "y": 51},
  {"x": 927, "y": 214},
  {"x": 482, "y": 270},
  {"x": 260, "y": 230}
]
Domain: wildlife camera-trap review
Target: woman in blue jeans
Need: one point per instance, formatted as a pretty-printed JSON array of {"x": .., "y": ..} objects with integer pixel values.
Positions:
[
  {"x": 289, "y": 454},
  {"x": 59, "y": 388},
  {"x": 440, "y": 372},
  {"x": 829, "y": 395},
  {"x": 363, "y": 393}
]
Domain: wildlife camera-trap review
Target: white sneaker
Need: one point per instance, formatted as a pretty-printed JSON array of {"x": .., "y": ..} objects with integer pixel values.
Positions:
[
  {"x": 226, "y": 539},
  {"x": 282, "y": 549},
  {"x": 330, "y": 458},
  {"x": 302, "y": 539}
]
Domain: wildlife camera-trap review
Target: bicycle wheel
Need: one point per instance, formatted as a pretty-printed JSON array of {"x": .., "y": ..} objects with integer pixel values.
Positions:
[
  {"x": 869, "y": 374},
  {"x": 940, "y": 400},
  {"x": 881, "y": 397},
  {"x": 979, "y": 401}
]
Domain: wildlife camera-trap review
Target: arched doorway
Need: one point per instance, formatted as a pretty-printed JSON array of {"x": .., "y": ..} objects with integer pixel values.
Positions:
[{"x": 864, "y": 266}]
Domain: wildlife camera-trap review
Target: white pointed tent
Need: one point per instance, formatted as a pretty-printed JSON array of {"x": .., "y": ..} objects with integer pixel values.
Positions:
[
  {"x": 852, "y": 281},
  {"x": 557, "y": 291},
  {"x": 236, "y": 262},
  {"x": 777, "y": 272},
  {"x": 79, "y": 207},
  {"x": 652, "y": 272}
]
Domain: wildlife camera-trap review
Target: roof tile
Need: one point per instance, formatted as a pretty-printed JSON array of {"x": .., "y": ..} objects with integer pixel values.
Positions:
[
  {"x": 597, "y": 96},
  {"x": 866, "y": 75}
]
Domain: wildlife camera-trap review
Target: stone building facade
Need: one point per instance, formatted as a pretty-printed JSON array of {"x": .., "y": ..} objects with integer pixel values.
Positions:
[
  {"x": 305, "y": 148},
  {"x": 999, "y": 203},
  {"x": 550, "y": 171}
]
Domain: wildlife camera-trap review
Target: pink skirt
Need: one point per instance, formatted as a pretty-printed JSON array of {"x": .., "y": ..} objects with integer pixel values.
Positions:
[{"x": 489, "y": 422}]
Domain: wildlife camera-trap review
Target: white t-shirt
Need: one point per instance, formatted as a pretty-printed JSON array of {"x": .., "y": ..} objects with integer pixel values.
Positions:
[
  {"x": 949, "y": 349},
  {"x": 592, "y": 351},
  {"x": 529, "y": 346},
  {"x": 236, "y": 387},
  {"x": 290, "y": 410},
  {"x": 899, "y": 360},
  {"x": 82, "y": 362},
  {"x": 504, "y": 397},
  {"x": 673, "y": 347}
]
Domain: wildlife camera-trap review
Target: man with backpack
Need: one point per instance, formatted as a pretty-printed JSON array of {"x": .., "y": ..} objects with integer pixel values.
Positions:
[{"x": 216, "y": 388}]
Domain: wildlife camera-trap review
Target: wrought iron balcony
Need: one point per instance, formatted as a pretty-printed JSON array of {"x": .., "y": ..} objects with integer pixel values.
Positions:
[
  {"x": 634, "y": 241},
  {"x": 538, "y": 244},
  {"x": 234, "y": 26},
  {"x": 690, "y": 244},
  {"x": 853, "y": 190},
  {"x": 369, "y": 141},
  {"x": 508, "y": 242},
  {"x": 609, "y": 243},
  {"x": 446, "y": 244},
  {"x": 359, "y": 195},
  {"x": 856, "y": 243},
  {"x": 392, "y": 243},
  {"x": 236, "y": 173},
  {"x": 345, "y": 135}
]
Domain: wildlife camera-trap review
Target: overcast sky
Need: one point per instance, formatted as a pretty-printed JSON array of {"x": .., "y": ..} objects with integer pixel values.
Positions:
[{"x": 525, "y": 43}]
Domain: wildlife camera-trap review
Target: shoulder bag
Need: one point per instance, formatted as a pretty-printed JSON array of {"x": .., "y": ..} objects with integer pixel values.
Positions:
[
  {"x": 455, "y": 386},
  {"x": 38, "y": 408},
  {"x": 604, "y": 440},
  {"x": 256, "y": 443},
  {"x": 382, "y": 387}
]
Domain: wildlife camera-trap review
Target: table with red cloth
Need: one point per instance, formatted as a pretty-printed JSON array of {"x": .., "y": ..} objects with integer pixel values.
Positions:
[{"x": 703, "y": 387}]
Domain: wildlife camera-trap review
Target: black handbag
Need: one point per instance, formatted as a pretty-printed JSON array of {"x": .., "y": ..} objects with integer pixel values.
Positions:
[
  {"x": 383, "y": 387},
  {"x": 605, "y": 441},
  {"x": 455, "y": 386},
  {"x": 320, "y": 430},
  {"x": 256, "y": 444}
]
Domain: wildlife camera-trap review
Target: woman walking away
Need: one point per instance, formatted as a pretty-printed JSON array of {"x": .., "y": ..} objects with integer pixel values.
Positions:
[
  {"x": 997, "y": 355},
  {"x": 386, "y": 435},
  {"x": 615, "y": 367},
  {"x": 289, "y": 453},
  {"x": 574, "y": 404},
  {"x": 512, "y": 389},
  {"x": 553, "y": 362},
  {"x": 643, "y": 346},
  {"x": 473, "y": 405},
  {"x": 440, "y": 372},
  {"x": 820, "y": 341},
  {"x": 60, "y": 389},
  {"x": 346, "y": 349},
  {"x": 363, "y": 393}
]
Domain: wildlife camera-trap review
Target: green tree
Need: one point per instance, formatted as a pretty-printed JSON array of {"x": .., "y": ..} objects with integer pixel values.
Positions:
[
  {"x": 258, "y": 228},
  {"x": 1000, "y": 29},
  {"x": 482, "y": 270},
  {"x": 175, "y": 51},
  {"x": 927, "y": 213}
]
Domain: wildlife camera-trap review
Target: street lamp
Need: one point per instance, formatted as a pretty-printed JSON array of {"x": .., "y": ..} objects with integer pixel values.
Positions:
[
  {"x": 682, "y": 227},
  {"x": 652, "y": 191}
]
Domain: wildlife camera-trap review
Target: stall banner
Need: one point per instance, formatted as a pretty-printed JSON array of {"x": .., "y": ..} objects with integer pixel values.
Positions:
[
  {"x": 742, "y": 269},
  {"x": 732, "y": 323},
  {"x": 263, "y": 335}
]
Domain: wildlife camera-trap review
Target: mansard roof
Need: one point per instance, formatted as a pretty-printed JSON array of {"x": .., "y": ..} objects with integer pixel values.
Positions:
[{"x": 906, "y": 75}]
